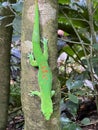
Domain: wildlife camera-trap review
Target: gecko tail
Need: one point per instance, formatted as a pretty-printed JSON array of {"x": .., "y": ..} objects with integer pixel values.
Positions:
[{"x": 47, "y": 109}]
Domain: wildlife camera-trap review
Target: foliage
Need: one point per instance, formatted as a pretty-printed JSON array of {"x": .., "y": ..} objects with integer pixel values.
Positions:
[
  {"x": 15, "y": 100},
  {"x": 81, "y": 28},
  {"x": 79, "y": 21},
  {"x": 16, "y": 9}
]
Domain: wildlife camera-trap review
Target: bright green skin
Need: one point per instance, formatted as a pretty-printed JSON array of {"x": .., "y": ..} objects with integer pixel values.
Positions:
[{"x": 44, "y": 73}]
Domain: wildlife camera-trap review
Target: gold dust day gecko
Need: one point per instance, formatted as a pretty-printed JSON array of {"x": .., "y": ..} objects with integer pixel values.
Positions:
[{"x": 40, "y": 59}]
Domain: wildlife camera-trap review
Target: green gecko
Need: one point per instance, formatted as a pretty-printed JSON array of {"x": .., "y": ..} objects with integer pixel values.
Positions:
[{"x": 40, "y": 59}]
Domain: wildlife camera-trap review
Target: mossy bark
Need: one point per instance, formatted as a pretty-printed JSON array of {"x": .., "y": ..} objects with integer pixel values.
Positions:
[
  {"x": 34, "y": 119},
  {"x": 5, "y": 42}
]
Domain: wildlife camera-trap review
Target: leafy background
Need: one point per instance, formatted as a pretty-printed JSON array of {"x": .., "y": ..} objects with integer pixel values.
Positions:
[{"x": 78, "y": 72}]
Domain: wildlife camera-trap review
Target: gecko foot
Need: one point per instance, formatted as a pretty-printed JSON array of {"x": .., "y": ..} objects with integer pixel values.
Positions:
[
  {"x": 31, "y": 59},
  {"x": 34, "y": 93},
  {"x": 30, "y": 56},
  {"x": 44, "y": 40}
]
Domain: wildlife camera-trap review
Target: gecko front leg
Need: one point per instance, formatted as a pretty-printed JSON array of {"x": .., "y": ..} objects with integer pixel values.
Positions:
[{"x": 32, "y": 61}]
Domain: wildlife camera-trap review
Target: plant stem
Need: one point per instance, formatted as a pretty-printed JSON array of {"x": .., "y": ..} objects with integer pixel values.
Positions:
[{"x": 93, "y": 41}]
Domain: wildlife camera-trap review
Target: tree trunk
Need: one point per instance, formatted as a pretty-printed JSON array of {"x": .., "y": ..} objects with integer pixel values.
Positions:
[
  {"x": 34, "y": 119},
  {"x": 5, "y": 42}
]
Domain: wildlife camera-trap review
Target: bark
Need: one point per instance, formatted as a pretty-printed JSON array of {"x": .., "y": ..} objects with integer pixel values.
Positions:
[
  {"x": 34, "y": 119},
  {"x": 5, "y": 41}
]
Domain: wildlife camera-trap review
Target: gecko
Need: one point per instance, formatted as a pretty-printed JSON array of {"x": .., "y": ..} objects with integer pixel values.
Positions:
[{"x": 39, "y": 59}]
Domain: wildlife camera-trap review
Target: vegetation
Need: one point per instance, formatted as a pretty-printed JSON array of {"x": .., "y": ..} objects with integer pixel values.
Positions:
[
  {"x": 79, "y": 21},
  {"x": 78, "y": 74}
]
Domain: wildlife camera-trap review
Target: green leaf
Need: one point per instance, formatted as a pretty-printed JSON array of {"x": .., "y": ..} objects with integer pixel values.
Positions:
[
  {"x": 78, "y": 128},
  {"x": 69, "y": 51},
  {"x": 73, "y": 98},
  {"x": 64, "y": 1},
  {"x": 94, "y": 60},
  {"x": 95, "y": 46},
  {"x": 74, "y": 126},
  {"x": 65, "y": 120},
  {"x": 73, "y": 85},
  {"x": 81, "y": 54},
  {"x": 78, "y": 84},
  {"x": 69, "y": 83},
  {"x": 72, "y": 107},
  {"x": 85, "y": 121},
  {"x": 17, "y": 24},
  {"x": 18, "y": 6},
  {"x": 66, "y": 127},
  {"x": 71, "y": 126}
]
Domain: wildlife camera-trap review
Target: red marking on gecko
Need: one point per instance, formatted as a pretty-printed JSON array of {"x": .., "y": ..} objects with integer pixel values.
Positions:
[
  {"x": 44, "y": 71},
  {"x": 43, "y": 67},
  {"x": 44, "y": 77}
]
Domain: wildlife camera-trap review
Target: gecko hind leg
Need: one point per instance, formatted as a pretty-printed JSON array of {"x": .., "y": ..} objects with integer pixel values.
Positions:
[{"x": 45, "y": 43}]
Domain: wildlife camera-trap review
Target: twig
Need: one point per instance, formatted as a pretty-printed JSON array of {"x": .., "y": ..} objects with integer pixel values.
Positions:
[
  {"x": 74, "y": 42},
  {"x": 92, "y": 123},
  {"x": 19, "y": 108}
]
